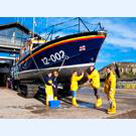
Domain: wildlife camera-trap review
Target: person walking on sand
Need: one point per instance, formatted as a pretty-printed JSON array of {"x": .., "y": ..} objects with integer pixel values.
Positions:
[
  {"x": 109, "y": 89},
  {"x": 74, "y": 86},
  {"x": 49, "y": 88},
  {"x": 94, "y": 79},
  {"x": 55, "y": 82}
]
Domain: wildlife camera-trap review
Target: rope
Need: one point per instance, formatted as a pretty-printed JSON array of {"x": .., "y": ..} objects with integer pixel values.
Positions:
[
  {"x": 62, "y": 23},
  {"x": 80, "y": 21},
  {"x": 65, "y": 28},
  {"x": 37, "y": 67},
  {"x": 66, "y": 58}
]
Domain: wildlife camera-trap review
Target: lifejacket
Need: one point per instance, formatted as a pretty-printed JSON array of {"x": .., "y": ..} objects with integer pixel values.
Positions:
[
  {"x": 74, "y": 82},
  {"x": 95, "y": 79}
]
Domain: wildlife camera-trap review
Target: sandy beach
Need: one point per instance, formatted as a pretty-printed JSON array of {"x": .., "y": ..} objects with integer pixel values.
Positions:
[{"x": 14, "y": 106}]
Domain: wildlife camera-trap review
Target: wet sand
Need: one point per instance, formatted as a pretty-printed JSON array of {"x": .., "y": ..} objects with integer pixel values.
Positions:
[{"x": 14, "y": 106}]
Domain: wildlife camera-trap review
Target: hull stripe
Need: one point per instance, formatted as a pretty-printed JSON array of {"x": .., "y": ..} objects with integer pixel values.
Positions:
[
  {"x": 62, "y": 42},
  {"x": 55, "y": 68}
]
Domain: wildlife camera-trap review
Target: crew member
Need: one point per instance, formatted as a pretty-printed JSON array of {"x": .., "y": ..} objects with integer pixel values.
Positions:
[
  {"x": 49, "y": 88},
  {"x": 55, "y": 82},
  {"x": 74, "y": 86},
  {"x": 94, "y": 79},
  {"x": 109, "y": 89}
]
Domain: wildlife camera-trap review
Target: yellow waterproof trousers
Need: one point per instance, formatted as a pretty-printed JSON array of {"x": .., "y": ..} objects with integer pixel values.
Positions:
[
  {"x": 49, "y": 93},
  {"x": 111, "y": 98}
]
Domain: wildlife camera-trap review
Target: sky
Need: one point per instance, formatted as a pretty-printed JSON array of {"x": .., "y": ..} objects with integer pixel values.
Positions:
[
  {"x": 115, "y": 45},
  {"x": 119, "y": 46}
]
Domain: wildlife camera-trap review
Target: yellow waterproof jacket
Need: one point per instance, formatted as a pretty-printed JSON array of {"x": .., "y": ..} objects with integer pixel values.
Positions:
[
  {"x": 95, "y": 79},
  {"x": 74, "y": 82},
  {"x": 49, "y": 88},
  {"x": 110, "y": 83}
]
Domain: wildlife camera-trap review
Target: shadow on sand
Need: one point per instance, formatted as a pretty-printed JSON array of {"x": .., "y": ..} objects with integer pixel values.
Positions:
[{"x": 66, "y": 102}]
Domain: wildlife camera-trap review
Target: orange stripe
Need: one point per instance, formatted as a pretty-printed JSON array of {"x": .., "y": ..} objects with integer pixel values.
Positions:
[{"x": 62, "y": 42}]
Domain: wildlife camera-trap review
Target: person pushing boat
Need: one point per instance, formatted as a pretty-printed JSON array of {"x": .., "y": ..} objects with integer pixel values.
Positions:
[
  {"x": 94, "y": 79},
  {"x": 74, "y": 86}
]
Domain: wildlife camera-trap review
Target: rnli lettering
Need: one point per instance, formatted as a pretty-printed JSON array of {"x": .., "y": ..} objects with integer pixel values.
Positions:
[{"x": 53, "y": 57}]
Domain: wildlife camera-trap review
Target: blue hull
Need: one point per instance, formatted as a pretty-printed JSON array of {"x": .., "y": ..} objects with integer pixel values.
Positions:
[{"x": 67, "y": 53}]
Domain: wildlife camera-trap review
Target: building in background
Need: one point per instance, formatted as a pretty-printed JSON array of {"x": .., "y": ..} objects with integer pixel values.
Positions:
[{"x": 12, "y": 37}]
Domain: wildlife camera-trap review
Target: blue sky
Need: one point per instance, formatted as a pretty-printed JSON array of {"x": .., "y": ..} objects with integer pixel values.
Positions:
[{"x": 119, "y": 46}]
